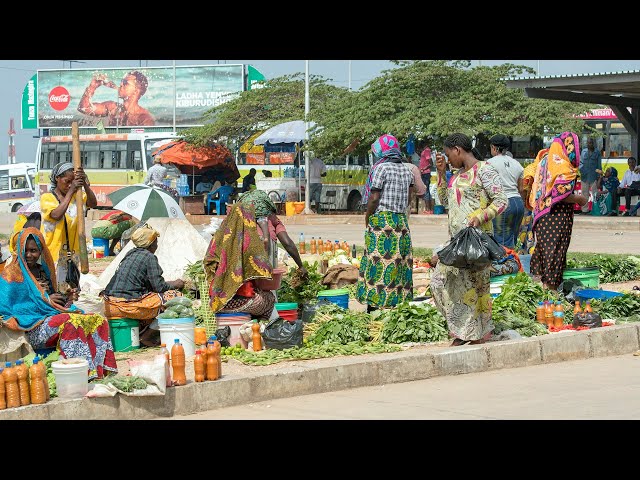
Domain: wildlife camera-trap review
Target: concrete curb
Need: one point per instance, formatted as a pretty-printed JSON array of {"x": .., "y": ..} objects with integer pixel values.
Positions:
[{"x": 332, "y": 374}]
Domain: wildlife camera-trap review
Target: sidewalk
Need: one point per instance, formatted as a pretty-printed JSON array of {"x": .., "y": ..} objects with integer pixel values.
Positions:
[{"x": 242, "y": 384}]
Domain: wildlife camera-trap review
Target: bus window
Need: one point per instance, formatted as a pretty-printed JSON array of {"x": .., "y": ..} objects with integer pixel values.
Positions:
[
  {"x": 19, "y": 183},
  {"x": 4, "y": 180},
  {"x": 90, "y": 155},
  {"x": 63, "y": 153},
  {"x": 31, "y": 173}
]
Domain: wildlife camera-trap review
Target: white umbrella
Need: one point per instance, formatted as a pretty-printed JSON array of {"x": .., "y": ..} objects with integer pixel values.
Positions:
[
  {"x": 144, "y": 202},
  {"x": 30, "y": 207},
  {"x": 288, "y": 132}
]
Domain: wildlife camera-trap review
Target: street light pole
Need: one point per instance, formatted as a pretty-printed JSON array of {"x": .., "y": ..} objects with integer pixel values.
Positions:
[
  {"x": 174, "y": 97},
  {"x": 307, "y": 188}
]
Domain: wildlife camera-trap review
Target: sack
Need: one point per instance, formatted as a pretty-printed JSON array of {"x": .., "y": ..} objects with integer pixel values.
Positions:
[
  {"x": 466, "y": 249},
  {"x": 280, "y": 334}
]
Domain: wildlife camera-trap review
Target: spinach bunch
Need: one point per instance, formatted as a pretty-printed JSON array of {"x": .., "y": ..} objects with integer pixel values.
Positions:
[
  {"x": 413, "y": 323},
  {"x": 611, "y": 269},
  {"x": 622, "y": 307},
  {"x": 515, "y": 307}
]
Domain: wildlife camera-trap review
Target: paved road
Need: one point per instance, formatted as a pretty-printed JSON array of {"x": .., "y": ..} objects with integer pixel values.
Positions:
[
  {"x": 605, "y": 388},
  {"x": 429, "y": 236}
]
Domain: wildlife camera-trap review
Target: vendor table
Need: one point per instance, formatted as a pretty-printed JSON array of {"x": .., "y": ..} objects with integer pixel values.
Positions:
[{"x": 193, "y": 204}]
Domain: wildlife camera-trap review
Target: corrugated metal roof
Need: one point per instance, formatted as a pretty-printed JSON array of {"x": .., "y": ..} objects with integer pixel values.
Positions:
[{"x": 549, "y": 77}]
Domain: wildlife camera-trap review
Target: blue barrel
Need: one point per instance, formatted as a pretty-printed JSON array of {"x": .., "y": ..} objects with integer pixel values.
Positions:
[{"x": 340, "y": 297}]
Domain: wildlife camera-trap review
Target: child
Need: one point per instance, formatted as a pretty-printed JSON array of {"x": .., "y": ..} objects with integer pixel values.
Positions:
[{"x": 609, "y": 182}]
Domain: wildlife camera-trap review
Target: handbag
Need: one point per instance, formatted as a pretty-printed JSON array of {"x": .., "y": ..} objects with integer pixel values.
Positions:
[{"x": 72, "y": 277}]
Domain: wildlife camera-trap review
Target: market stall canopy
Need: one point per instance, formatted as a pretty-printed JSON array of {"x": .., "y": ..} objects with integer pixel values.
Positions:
[
  {"x": 288, "y": 132},
  {"x": 191, "y": 160}
]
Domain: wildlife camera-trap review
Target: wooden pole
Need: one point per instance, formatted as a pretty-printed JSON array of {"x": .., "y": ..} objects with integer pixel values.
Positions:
[{"x": 82, "y": 237}]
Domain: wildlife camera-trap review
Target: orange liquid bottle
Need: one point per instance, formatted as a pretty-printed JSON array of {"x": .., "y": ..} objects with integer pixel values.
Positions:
[
  {"x": 320, "y": 245},
  {"x": 211, "y": 366},
  {"x": 37, "y": 390},
  {"x": 167, "y": 364},
  {"x": 587, "y": 308},
  {"x": 548, "y": 313},
  {"x": 11, "y": 385},
  {"x": 198, "y": 367},
  {"x": 540, "y": 313},
  {"x": 578, "y": 308},
  {"x": 301, "y": 244},
  {"x": 43, "y": 367},
  {"x": 313, "y": 246},
  {"x": 217, "y": 348},
  {"x": 178, "y": 363},
  {"x": 256, "y": 338},
  {"x": 3, "y": 392},
  {"x": 558, "y": 315},
  {"x": 23, "y": 382}
]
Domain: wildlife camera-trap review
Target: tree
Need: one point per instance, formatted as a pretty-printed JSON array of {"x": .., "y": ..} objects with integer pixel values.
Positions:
[{"x": 434, "y": 99}]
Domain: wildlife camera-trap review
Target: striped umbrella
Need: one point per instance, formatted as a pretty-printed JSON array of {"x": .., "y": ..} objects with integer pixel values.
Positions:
[{"x": 144, "y": 202}]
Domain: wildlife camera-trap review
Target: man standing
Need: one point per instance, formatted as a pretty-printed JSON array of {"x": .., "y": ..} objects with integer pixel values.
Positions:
[
  {"x": 156, "y": 173},
  {"x": 249, "y": 180},
  {"x": 317, "y": 169},
  {"x": 591, "y": 160}
]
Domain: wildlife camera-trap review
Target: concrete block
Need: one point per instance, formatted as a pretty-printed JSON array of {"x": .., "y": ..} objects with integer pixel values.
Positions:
[
  {"x": 614, "y": 340},
  {"x": 464, "y": 359},
  {"x": 28, "y": 412},
  {"x": 514, "y": 353},
  {"x": 408, "y": 367},
  {"x": 559, "y": 347}
]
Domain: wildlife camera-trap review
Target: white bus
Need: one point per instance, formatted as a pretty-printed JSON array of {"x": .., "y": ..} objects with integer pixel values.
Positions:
[
  {"x": 111, "y": 160},
  {"x": 17, "y": 185}
]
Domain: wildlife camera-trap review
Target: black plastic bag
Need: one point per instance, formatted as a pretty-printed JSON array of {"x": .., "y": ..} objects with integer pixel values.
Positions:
[
  {"x": 467, "y": 249},
  {"x": 280, "y": 334},
  {"x": 223, "y": 335},
  {"x": 589, "y": 319},
  {"x": 73, "y": 274},
  {"x": 496, "y": 251},
  {"x": 309, "y": 309}
]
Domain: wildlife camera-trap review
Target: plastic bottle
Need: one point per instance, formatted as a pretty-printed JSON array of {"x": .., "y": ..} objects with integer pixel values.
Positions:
[
  {"x": 345, "y": 247},
  {"x": 211, "y": 366},
  {"x": 587, "y": 307},
  {"x": 320, "y": 245},
  {"x": 43, "y": 367},
  {"x": 578, "y": 308},
  {"x": 353, "y": 251},
  {"x": 178, "y": 363},
  {"x": 217, "y": 348},
  {"x": 548, "y": 313},
  {"x": 38, "y": 391},
  {"x": 336, "y": 246},
  {"x": 198, "y": 366},
  {"x": 313, "y": 246},
  {"x": 3, "y": 393},
  {"x": 23, "y": 382},
  {"x": 558, "y": 315},
  {"x": 256, "y": 338},
  {"x": 167, "y": 364},
  {"x": 11, "y": 385},
  {"x": 301, "y": 245},
  {"x": 540, "y": 312}
]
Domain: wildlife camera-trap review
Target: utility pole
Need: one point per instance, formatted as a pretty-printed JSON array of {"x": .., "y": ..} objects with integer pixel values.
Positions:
[
  {"x": 307, "y": 193},
  {"x": 349, "y": 75},
  {"x": 12, "y": 148}
]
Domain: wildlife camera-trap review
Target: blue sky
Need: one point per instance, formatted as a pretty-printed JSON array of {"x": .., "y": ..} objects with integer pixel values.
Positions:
[{"x": 14, "y": 75}]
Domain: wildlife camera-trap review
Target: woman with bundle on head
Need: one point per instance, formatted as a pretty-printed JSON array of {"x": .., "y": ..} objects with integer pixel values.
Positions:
[{"x": 474, "y": 197}]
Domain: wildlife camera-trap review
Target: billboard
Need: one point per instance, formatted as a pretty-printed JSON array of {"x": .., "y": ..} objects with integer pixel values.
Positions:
[
  {"x": 29, "y": 107},
  {"x": 134, "y": 97}
]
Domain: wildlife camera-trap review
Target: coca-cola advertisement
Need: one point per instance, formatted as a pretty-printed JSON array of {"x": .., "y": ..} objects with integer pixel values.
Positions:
[{"x": 134, "y": 97}]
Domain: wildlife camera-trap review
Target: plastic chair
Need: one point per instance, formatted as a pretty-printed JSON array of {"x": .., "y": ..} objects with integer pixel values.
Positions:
[{"x": 223, "y": 193}]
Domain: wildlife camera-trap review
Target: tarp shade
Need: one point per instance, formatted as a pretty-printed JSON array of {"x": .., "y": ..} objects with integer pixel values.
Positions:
[{"x": 215, "y": 159}]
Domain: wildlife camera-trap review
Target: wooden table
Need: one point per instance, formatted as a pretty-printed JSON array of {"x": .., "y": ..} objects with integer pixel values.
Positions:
[{"x": 193, "y": 204}]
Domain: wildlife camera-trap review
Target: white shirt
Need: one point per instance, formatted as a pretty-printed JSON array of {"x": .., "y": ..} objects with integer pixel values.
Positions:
[
  {"x": 629, "y": 177},
  {"x": 316, "y": 169},
  {"x": 510, "y": 171},
  {"x": 155, "y": 174}
]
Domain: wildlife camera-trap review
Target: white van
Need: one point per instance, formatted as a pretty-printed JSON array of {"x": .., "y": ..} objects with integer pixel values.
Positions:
[{"x": 17, "y": 185}]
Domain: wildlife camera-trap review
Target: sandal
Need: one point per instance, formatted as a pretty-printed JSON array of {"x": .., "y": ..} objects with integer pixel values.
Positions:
[
  {"x": 636, "y": 288},
  {"x": 457, "y": 342}
]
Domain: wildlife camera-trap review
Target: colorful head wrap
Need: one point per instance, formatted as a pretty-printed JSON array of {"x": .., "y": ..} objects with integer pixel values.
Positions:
[
  {"x": 144, "y": 236},
  {"x": 56, "y": 171},
  {"x": 387, "y": 149},
  {"x": 384, "y": 144},
  {"x": 259, "y": 199}
]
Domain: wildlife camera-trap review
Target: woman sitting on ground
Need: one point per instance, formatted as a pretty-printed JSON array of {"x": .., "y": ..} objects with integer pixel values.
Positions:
[
  {"x": 31, "y": 302},
  {"x": 236, "y": 256}
]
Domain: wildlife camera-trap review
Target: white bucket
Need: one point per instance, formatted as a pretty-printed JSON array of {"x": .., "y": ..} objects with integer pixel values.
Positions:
[
  {"x": 181, "y": 328},
  {"x": 72, "y": 377}
]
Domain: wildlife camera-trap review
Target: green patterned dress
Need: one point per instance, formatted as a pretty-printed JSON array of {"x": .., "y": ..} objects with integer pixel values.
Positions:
[
  {"x": 462, "y": 295},
  {"x": 386, "y": 269}
]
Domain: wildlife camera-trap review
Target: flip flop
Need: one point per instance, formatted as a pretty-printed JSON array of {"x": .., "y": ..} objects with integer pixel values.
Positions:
[{"x": 458, "y": 342}]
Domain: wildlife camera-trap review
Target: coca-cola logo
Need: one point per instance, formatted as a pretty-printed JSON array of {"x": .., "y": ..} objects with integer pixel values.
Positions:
[{"x": 59, "y": 98}]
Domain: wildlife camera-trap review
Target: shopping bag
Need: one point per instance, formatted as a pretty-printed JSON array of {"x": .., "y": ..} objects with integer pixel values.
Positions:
[{"x": 467, "y": 249}]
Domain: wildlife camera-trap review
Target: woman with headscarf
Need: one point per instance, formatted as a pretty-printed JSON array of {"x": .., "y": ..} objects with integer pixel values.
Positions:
[
  {"x": 386, "y": 269},
  {"x": 270, "y": 228},
  {"x": 60, "y": 215},
  {"x": 30, "y": 302},
  {"x": 552, "y": 200},
  {"x": 137, "y": 289},
  {"x": 474, "y": 197},
  {"x": 235, "y": 257}
]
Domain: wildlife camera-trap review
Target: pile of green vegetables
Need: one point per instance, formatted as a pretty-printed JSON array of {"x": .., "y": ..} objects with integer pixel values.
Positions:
[
  {"x": 624, "y": 308},
  {"x": 296, "y": 289},
  {"x": 178, "y": 307},
  {"x": 515, "y": 307},
  {"x": 335, "y": 325},
  {"x": 612, "y": 269},
  {"x": 124, "y": 383},
  {"x": 48, "y": 360},
  {"x": 412, "y": 323}
]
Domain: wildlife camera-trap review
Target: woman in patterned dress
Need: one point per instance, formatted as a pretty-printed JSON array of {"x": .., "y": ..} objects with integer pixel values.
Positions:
[
  {"x": 386, "y": 268},
  {"x": 473, "y": 197},
  {"x": 552, "y": 203}
]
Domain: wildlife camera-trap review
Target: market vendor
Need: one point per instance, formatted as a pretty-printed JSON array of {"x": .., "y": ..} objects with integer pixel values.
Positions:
[
  {"x": 138, "y": 290},
  {"x": 271, "y": 229}
]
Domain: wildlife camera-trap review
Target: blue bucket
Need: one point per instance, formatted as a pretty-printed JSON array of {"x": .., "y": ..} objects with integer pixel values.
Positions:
[
  {"x": 438, "y": 210},
  {"x": 340, "y": 297},
  {"x": 102, "y": 242}
]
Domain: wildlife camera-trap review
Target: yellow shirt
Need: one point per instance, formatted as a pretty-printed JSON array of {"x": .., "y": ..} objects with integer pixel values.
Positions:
[
  {"x": 53, "y": 230},
  {"x": 17, "y": 228}
]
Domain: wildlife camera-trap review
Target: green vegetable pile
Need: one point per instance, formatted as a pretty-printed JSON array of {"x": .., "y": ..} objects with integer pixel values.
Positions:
[
  {"x": 515, "y": 307},
  {"x": 333, "y": 324},
  {"x": 124, "y": 383},
  {"x": 295, "y": 289},
  {"x": 195, "y": 271},
  {"x": 270, "y": 356},
  {"x": 412, "y": 323},
  {"x": 178, "y": 307},
  {"x": 624, "y": 308},
  {"x": 612, "y": 269},
  {"x": 48, "y": 360}
]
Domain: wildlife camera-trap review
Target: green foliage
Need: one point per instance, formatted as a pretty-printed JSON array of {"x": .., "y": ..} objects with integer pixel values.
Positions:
[
  {"x": 626, "y": 307},
  {"x": 343, "y": 326},
  {"x": 413, "y": 323},
  {"x": 620, "y": 268},
  {"x": 296, "y": 289}
]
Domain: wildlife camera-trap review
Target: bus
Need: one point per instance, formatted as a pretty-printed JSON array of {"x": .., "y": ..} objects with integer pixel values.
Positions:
[
  {"x": 17, "y": 185},
  {"x": 110, "y": 160},
  {"x": 611, "y": 137}
]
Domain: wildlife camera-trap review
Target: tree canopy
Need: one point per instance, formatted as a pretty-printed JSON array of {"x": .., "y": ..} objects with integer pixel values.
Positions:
[{"x": 427, "y": 98}]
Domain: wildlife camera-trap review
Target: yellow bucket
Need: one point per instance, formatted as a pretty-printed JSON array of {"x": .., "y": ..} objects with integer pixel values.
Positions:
[{"x": 293, "y": 208}]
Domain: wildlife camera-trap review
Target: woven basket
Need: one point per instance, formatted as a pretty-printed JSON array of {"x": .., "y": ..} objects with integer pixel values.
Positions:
[{"x": 206, "y": 313}]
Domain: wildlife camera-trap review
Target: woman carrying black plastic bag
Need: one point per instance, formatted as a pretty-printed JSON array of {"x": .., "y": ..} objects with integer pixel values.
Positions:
[{"x": 473, "y": 197}]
